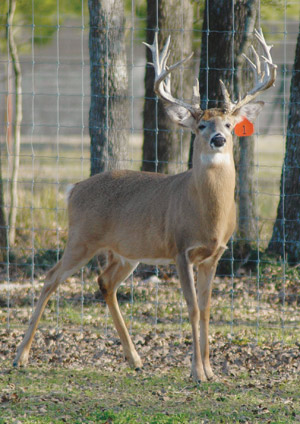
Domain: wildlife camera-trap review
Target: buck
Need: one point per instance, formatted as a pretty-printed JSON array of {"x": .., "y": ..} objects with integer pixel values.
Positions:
[{"x": 186, "y": 219}]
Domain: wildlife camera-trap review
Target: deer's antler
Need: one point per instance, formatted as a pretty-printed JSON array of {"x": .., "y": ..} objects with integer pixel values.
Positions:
[
  {"x": 264, "y": 74},
  {"x": 162, "y": 82}
]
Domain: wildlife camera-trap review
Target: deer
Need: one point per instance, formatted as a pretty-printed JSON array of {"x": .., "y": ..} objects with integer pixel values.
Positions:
[{"x": 186, "y": 219}]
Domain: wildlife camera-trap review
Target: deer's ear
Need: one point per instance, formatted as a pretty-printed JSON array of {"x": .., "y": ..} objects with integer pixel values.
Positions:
[
  {"x": 249, "y": 111},
  {"x": 180, "y": 116}
]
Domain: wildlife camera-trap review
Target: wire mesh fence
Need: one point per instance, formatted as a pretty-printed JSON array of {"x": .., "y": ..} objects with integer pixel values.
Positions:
[{"x": 253, "y": 297}]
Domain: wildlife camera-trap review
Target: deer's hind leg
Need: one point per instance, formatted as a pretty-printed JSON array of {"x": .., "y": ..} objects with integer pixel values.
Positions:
[
  {"x": 75, "y": 256},
  {"x": 109, "y": 281}
]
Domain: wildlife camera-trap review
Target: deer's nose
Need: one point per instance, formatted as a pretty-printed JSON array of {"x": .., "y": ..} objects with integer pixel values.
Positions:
[{"x": 218, "y": 140}]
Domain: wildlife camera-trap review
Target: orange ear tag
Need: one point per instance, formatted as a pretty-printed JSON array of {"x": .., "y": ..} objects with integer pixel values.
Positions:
[{"x": 244, "y": 128}]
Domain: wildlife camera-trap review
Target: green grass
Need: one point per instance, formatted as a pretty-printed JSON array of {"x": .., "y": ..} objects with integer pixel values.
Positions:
[{"x": 60, "y": 395}]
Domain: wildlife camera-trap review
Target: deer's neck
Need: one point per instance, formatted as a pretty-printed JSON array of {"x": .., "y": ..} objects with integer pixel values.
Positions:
[{"x": 214, "y": 184}]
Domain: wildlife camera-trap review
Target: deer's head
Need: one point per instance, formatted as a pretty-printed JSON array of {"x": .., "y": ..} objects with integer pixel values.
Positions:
[{"x": 212, "y": 127}]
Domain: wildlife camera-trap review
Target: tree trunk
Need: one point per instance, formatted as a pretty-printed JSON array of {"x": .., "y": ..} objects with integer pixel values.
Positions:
[
  {"x": 163, "y": 141},
  {"x": 224, "y": 38},
  {"x": 247, "y": 226},
  {"x": 13, "y": 53},
  {"x": 285, "y": 239},
  {"x": 109, "y": 111}
]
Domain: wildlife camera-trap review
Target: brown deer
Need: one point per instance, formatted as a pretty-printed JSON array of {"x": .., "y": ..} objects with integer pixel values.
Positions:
[{"x": 186, "y": 219}]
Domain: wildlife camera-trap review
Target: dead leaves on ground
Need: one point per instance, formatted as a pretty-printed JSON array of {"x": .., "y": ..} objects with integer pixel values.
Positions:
[{"x": 159, "y": 351}]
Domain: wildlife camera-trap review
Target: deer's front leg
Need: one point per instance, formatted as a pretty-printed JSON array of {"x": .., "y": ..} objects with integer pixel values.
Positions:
[
  {"x": 204, "y": 284},
  {"x": 185, "y": 272},
  {"x": 206, "y": 273}
]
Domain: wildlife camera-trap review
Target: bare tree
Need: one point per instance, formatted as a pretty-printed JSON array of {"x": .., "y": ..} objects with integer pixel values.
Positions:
[
  {"x": 285, "y": 239},
  {"x": 162, "y": 143},
  {"x": 108, "y": 118},
  {"x": 15, "y": 147}
]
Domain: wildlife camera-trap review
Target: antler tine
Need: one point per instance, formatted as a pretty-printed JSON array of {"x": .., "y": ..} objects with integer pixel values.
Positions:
[
  {"x": 167, "y": 70},
  {"x": 167, "y": 83},
  {"x": 162, "y": 83},
  {"x": 260, "y": 36},
  {"x": 164, "y": 56},
  {"x": 228, "y": 105},
  {"x": 196, "y": 94},
  {"x": 263, "y": 78},
  {"x": 255, "y": 67},
  {"x": 270, "y": 67}
]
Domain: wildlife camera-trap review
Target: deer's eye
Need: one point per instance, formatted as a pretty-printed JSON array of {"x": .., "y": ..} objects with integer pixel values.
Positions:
[
  {"x": 202, "y": 127},
  {"x": 228, "y": 125}
]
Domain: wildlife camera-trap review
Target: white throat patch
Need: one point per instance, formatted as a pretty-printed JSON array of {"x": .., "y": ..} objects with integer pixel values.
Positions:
[{"x": 215, "y": 158}]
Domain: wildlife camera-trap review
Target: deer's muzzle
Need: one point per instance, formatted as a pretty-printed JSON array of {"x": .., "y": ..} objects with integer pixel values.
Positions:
[{"x": 217, "y": 141}]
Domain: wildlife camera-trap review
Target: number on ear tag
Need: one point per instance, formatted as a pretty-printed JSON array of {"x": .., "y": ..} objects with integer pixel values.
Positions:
[{"x": 244, "y": 128}]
